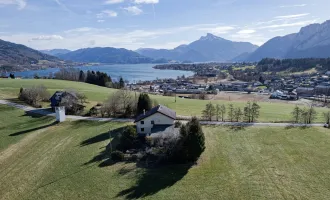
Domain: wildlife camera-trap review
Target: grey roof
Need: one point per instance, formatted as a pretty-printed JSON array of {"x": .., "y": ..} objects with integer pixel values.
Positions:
[{"x": 158, "y": 109}]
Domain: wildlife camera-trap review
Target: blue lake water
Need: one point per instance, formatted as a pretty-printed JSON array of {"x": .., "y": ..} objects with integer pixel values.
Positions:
[{"x": 131, "y": 73}]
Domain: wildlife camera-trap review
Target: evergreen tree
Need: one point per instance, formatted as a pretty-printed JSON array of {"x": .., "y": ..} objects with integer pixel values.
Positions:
[
  {"x": 194, "y": 144},
  {"x": 82, "y": 76},
  {"x": 144, "y": 103},
  {"x": 121, "y": 83}
]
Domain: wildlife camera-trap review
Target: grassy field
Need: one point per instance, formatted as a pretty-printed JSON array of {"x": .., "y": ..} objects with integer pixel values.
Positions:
[
  {"x": 47, "y": 161},
  {"x": 270, "y": 112}
]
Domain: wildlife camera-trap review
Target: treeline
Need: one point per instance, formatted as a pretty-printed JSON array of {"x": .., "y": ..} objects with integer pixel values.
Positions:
[
  {"x": 91, "y": 77},
  {"x": 123, "y": 103},
  {"x": 250, "y": 112},
  {"x": 293, "y": 65}
]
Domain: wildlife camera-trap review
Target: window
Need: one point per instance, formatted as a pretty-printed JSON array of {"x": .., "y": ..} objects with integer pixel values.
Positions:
[
  {"x": 142, "y": 122},
  {"x": 152, "y": 122},
  {"x": 142, "y": 129}
]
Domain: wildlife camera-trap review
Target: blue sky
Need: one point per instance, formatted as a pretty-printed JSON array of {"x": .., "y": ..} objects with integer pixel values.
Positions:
[{"x": 133, "y": 24}]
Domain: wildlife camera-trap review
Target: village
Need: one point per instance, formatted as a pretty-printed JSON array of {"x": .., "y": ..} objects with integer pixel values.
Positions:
[{"x": 213, "y": 83}]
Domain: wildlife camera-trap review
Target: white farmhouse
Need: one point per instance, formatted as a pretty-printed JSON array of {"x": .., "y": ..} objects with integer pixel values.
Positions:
[{"x": 156, "y": 120}]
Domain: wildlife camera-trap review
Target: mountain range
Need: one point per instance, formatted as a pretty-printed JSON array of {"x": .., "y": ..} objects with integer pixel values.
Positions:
[
  {"x": 105, "y": 55},
  {"x": 312, "y": 41},
  {"x": 207, "y": 48},
  {"x": 55, "y": 52}
]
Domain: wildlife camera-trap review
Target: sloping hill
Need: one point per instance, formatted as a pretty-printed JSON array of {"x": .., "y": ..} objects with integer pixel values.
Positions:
[
  {"x": 106, "y": 55},
  {"x": 55, "y": 52},
  {"x": 17, "y": 54}
]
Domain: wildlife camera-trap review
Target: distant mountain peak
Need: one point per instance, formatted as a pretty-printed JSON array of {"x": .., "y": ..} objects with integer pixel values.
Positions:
[{"x": 211, "y": 37}]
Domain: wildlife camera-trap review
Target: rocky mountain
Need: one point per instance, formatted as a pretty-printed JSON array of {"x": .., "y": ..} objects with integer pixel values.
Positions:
[
  {"x": 106, "y": 55},
  {"x": 207, "y": 48},
  {"x": 312, "y": 41},
  {"x": 17, "y": 54},
  {"x": 55, "y": 52},
  {"x": 275, "y": 48}
]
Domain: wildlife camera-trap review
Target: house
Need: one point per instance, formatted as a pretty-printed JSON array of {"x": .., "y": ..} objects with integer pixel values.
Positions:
[
  {"x": 305, "y": 91},
  {"x": 155, "y": 121},
  {"x": 73, "y": 103}
]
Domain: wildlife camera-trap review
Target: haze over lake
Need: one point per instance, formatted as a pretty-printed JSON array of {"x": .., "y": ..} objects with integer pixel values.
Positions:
[{"x": 130, "y": 72}]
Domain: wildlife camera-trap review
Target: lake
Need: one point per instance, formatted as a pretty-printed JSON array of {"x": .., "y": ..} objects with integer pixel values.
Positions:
[{"x": 131, "y": 73}]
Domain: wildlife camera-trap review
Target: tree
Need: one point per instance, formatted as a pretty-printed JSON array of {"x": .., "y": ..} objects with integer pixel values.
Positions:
[
  {"x": 222, "y": 112},
  {"x": 128, "y": 139},
  {"x": 311, "y": 115},
  {"x": 121, "y": 83},
  {"x": 12, "y": 75},
  {"x": 144, "y": 103},
  {"x": 296, "y": 114},
  {"x": 327, "y": 118},
  {"x": 217, "y": 112},
  {"x": 251, "y": 112},
  {"x": 82, "y": 76},
  {"x": 255, "y": 111},
  {"x": 231, "y": 112},
  {"x": 191, "y": 143},
  {"x": 238, "y": 114},
  {"x": 209, "y": 111}
]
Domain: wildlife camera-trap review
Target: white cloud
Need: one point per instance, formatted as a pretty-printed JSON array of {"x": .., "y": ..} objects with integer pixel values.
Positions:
[
  {"x": 106, "y": 13},
  {"x": 113, "y": 1},
  {"x": 100, "y": 21},
  {"x": 218, "y": 29},
  {"x": 246, "y": 31},
  {"x": 134, "y": 10},
  {"x": 292, "y": 6},
  {"x": 283, "y": 25},
  {"x": 21, "y": 4},
  {"x": 146, "y": 1},
  {"x": 47, "y": 37},
  {"x": 292, "y": 16}
]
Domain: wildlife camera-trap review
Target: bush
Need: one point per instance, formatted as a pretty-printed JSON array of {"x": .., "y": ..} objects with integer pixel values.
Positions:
[
  {"x": 177, "y": 124},
  {"x": 128, "y": 139},
  {"x": 117, "y": 156},
  {"x": 34, "y": 95},
  {"x": 190, "y": 145}
]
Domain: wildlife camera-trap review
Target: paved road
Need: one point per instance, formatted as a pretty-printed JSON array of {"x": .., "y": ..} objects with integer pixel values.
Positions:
[
  {"x": 47, "y": 113},
  {"x": 51, "y": 114}
]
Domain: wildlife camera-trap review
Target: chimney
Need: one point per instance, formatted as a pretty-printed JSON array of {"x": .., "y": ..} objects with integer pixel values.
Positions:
[{"x": 144, "y": 111}]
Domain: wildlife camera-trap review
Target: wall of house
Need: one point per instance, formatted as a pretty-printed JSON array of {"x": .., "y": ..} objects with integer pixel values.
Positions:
[{"x": 158, "y": 118}]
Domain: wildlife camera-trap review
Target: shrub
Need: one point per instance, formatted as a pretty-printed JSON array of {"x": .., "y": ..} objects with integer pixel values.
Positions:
[
  {"x": 177, "y": 124},
  {"x": 34, "y": 95},
  {"x": 117, "y": 156},
  {"x": 190, "y": 145},
  {"x": 128, "y": 139}
]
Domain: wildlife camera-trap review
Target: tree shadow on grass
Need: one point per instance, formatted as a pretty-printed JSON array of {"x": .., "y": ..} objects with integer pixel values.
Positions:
[
  {"x": 153, "y": 180},
  {"x": 103, "y": 158},
  {"x": 38, "y": 113},
  {"x": 102, "y": 137},
  {"x": 33, "y": 129}
]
